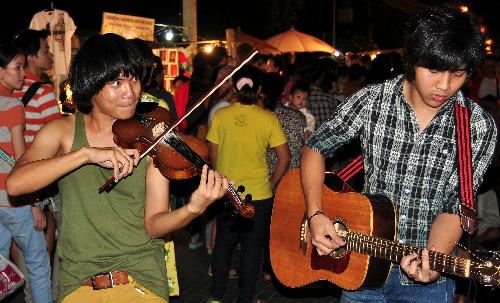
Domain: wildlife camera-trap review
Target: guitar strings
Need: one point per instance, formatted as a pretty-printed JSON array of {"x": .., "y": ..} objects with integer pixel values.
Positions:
[
  {"x": 472, "y": 253},
  {"x": 366, "y": 244}
]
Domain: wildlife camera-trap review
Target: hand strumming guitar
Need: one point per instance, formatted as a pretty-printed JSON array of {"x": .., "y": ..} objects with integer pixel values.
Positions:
[{"x": 323, "y": 235}]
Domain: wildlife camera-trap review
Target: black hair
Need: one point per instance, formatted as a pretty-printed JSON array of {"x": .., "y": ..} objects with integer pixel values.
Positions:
[
  {"x": 278, "y": 62},
  {"x": 247, "y": 94},
  {"x": 261, "y": 58},
  {"x": 156, "y": 74},
  {"x": 366, "y": 60},
  {"x": 272, "y": 88},
  {"x": 243, "y": 51},
  {"x": 327, "y": 81},
  {"x": 101, "y": 59},
  {"x": 147, "y": 59},
  {"x": 443, "y": 39},
  {"x": 200, "y": 81},
  {"x": 302, "y": 86},
  {"x": 356, "y": 72},
  {"x": 379, "y": 70},
  {"x": 319, "y": 67},
  {"x": 28, "y": 41},
  {"x": 181, "y": 78},
  {"x": 219, "y": 53},
  {"x": 396, "y": 63},
  {"x": 490, "y": 57},
  {"x": 7, "y": 54}
]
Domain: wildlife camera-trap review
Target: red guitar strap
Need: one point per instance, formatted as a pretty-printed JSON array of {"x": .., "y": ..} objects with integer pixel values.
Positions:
[
  {"x": 351, "y": 170},
  {"x": 468, "y": 213}
]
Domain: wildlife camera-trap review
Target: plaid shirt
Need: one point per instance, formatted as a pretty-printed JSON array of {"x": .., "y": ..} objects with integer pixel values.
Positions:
[
  {"x": 416, "y": 170},
  {"x": 320, "y": 104}
]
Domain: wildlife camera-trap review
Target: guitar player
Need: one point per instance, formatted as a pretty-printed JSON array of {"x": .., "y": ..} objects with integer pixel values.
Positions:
[{"x": 407, "y": 130}]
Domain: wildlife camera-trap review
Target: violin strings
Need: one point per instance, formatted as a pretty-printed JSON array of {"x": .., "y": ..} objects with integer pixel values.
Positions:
[{"x": 180, "y": 146}]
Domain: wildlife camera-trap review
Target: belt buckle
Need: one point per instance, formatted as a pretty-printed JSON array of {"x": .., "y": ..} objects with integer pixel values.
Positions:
[{"x": 109, "y": 274}]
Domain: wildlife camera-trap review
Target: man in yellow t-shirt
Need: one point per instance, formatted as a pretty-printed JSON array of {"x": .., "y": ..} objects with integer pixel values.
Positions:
[{"x": 239, "y": 137}]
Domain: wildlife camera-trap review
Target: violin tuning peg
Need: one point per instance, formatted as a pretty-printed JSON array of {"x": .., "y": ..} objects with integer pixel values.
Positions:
[
  {"x": 248, "y": 198},
  {"x": 240, "y": 189}
]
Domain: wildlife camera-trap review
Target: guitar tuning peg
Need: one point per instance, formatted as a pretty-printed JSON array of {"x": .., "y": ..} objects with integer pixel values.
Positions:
[
  {"x": 240, "y": 189},
  {"x": 248, "y": 198}
]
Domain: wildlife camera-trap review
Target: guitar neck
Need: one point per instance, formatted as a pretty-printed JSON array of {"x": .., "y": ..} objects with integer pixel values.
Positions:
[{"x": 393, "y": 251}]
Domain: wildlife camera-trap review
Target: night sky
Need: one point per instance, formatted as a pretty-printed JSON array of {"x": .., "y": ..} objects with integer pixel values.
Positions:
[{"x": 260, "y": 18}]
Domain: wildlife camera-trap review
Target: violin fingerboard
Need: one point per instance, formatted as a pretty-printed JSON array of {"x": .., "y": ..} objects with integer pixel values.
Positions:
[{"x": 182, "y": 148}]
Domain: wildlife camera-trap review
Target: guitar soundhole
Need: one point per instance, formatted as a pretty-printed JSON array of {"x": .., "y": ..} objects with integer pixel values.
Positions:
[
  {"x": 341, "y": 229},
  {"x": 338, "y": 260}
]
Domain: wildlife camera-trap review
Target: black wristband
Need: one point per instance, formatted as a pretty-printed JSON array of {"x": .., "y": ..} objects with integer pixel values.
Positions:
[{"x": 318, "y": 212}]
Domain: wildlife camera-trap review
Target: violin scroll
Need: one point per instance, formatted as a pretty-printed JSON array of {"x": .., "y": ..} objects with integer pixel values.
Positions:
[
  {"x": 244, "y": 208},
  {"x": 240, "y": 189}
]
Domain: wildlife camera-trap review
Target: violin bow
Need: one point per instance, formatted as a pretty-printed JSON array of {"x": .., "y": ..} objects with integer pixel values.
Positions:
[{"x": 111, "y": 181}]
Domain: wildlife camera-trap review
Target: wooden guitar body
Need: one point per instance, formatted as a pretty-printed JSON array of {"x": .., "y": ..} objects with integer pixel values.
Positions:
[
  {"x": 295, "y": 262},
  {"x": 367, "y": 224}
]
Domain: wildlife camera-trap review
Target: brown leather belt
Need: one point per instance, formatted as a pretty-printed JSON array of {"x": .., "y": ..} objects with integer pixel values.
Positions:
[{"x": 105, "y": 280}]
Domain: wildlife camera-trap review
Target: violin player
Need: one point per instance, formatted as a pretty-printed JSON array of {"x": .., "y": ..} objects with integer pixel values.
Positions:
[{"x": 110, "y": 244}]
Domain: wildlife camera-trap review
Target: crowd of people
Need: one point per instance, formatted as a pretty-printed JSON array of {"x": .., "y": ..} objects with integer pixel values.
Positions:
[{"x": 272, "y": 115}]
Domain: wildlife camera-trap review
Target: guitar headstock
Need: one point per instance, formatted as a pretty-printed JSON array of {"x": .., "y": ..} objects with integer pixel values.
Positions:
[{"x": 487, "y": 270}]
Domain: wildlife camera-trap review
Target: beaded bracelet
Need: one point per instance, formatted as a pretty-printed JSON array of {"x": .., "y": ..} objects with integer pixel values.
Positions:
[{"x": 318, "y": 212}]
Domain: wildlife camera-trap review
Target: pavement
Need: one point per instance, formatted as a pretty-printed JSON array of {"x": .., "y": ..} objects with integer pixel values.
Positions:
[{"x": 194, "y": 282}]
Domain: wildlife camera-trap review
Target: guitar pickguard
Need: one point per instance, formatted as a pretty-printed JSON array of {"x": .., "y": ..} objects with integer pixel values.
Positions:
[
  {"x": 338, "y": 260},
  {"x": 334, "y": 265}
]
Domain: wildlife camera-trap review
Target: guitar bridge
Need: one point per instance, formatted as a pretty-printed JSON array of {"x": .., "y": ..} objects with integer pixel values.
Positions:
[{"x": 304, "y": 234}]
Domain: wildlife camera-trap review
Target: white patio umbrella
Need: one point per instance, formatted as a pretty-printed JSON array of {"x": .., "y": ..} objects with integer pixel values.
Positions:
[
  {"x": 262, "y": 46},
  {"x": 295, "y": 41}
]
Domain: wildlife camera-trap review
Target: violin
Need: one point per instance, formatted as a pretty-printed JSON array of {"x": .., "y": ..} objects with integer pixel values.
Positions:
[
  {"x": 155, "y": 127},
  {"x": 149, "y": 121},
  {"x": 178, "y": 157}
]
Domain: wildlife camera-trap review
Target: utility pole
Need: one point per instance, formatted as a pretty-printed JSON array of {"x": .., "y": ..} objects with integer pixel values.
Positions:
[
  {"x": 190, "y": 19},
  {"x": 370, "y": 20},
  {"x": 334, "y": 24}
]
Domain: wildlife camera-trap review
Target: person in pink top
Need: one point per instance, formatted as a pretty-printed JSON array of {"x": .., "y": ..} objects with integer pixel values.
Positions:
[
  {"x": 40, "y": 107},
  {"x": 23, "y": 224}
]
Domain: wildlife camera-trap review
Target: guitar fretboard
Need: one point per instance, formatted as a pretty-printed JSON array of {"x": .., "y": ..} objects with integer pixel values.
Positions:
[{"x": 393, "y": 251}]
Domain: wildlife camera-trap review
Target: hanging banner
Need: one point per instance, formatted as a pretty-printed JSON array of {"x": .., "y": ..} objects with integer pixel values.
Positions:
[{"x": 128, "y": 26}]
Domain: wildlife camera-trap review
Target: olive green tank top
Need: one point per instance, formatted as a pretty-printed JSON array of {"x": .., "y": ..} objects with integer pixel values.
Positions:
[{"x": 105, "y": 232}]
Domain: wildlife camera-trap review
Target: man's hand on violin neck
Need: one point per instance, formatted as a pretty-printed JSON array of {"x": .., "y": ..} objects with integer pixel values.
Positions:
[
  {"x": 122, "y": 161},
  {"x": 212, "y": 187}
]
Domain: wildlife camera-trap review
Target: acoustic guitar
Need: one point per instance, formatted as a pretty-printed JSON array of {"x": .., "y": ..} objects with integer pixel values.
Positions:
[{"x": 367, "y": 223}]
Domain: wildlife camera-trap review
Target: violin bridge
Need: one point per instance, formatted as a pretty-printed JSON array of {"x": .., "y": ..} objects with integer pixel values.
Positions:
[{"x": 158, "y": 129}]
